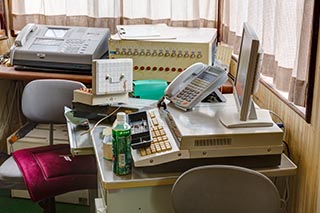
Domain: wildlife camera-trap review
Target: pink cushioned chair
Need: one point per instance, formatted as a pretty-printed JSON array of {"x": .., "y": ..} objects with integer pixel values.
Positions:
[{"x": 44, "y": 171}]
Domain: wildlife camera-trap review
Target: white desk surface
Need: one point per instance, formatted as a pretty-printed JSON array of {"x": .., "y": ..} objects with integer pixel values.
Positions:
[{"x": 140, "y": 179}]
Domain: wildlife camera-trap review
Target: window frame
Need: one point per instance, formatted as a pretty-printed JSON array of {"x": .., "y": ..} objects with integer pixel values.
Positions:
[
  {"x": 313, "y": 61},
  {"x": 311, "y": 74}
]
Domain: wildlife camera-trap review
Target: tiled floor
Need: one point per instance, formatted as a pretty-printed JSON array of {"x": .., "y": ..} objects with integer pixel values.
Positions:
[{"x": 20, "y": 205}]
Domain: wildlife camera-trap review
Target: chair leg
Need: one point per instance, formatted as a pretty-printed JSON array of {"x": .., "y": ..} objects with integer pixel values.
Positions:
[
  {"x": 48, "y": 205},
  {"x": 93, "y": 193}
]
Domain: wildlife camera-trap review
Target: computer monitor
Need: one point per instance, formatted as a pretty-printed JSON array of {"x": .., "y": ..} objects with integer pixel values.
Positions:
[
  {"x": 245, "y": 83},
  {"x": 247, "y": 72}
]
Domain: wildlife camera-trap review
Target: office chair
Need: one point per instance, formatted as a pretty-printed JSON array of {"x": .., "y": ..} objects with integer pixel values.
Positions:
[
  {"x": 42, "y": 169},
  {"x": 224, "y": 189}
]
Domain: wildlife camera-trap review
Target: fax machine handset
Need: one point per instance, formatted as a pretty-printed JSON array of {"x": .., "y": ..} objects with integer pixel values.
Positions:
[
  {"x": 194, "y": 84},
  {"x": 24, "y": 33},
  {"x": 22, "y": 38}
]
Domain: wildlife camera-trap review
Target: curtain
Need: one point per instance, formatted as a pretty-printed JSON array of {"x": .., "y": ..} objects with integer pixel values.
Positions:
[
  {"x": 109, "y": 13},
  {"x": 3, "y": 26},
  {"x": 284, "y": 30},
  {"x": 279, "y": 25}
]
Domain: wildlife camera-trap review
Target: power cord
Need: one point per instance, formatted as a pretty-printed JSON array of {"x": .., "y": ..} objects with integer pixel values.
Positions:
[
  {"x": 102, "y": 119},
  {"x": 282, "y": 126},
  {"x": 285, "y": 197}
]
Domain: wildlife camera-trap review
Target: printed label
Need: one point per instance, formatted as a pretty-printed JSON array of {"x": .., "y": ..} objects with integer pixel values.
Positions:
[{"x": 122, "y": 160}]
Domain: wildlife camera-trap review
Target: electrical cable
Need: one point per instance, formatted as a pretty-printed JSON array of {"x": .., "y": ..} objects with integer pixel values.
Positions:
[
  {"x": 285, "y": 196},
  {"x": 282, "y": 126},
  {"x": 286, "y": 148},
  {"x": 102, "y": 119}
]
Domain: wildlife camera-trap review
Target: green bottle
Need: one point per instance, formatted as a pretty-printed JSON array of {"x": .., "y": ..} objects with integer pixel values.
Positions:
[{"x": 121, "y": 145}]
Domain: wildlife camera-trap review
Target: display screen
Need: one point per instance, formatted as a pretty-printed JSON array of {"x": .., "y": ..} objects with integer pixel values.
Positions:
[
  {"x": 243, "y": 66},
  {"x": 207, "y": 77},
  {"x": 247, "y": 71},
  {"x": 55, "y": 32}
]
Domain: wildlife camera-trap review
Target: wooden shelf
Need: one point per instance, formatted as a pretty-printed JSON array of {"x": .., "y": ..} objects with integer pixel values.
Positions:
[{"x": 11, "y": 73}]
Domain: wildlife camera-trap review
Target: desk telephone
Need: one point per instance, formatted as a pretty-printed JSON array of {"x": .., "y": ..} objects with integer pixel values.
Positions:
[{"x": 194, "y": 84}]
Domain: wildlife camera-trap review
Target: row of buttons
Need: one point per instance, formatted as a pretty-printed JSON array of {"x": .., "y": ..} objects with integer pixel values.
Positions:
[
  {"x": 200, "y": 83},
  {"x": 160, "y": 53},
  {"x": 75, "y": 41},
  {"x": 47, "y": 42},
  {"x": 148, "y": 68},
  {"x": 160, "y": 142},
  {"x": 74, "y": 45}
]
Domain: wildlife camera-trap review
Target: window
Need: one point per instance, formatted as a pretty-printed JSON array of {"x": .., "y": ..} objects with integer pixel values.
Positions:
[
  {"x": 285, "y": 31},
  {"x": 108, "y": 13},
  {"x": 289, "y": 53}
]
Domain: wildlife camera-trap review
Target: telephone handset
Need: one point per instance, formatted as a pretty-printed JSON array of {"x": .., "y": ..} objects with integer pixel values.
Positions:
[
  {"x": 22, "y": 36},
  {"x": 194, "y": 84}
]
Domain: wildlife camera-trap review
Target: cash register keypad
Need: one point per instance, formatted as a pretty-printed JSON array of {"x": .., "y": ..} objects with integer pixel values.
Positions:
[{"x": 160, "y": 140}]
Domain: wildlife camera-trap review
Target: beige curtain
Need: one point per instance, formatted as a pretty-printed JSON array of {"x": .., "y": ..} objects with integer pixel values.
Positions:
[
  {"x": 109, "y": 13},
  {"x": 299, "y": 78},
  {"x": 284, "y": 29},
  {"x": 279, "y": 25},
  {"x": 3, "y": 27}
]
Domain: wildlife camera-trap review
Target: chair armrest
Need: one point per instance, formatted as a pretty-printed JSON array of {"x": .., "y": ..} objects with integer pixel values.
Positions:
[{"x": 20, "y": 133}]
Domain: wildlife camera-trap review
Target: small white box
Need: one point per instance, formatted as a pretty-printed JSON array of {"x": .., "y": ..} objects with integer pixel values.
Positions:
[{"x": 112, "y": 76}]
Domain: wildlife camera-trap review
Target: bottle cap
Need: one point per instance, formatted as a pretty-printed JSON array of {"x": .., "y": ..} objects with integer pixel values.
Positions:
[{"x": 121, "y": 116}]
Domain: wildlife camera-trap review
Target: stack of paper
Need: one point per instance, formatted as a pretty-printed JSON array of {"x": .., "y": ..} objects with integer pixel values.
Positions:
[{"x": 144, "y": 32}]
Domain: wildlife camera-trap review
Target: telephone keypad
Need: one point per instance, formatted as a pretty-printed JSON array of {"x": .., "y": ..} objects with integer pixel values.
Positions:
[{"x": 191, "y": 91}]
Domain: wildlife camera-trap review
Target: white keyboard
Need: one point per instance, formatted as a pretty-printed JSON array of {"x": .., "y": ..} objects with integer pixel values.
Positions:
[{"x": 163, "y": 147}]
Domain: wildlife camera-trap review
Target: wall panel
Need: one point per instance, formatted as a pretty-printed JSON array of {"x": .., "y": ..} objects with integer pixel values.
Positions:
[{"x": 304, "y": 144}]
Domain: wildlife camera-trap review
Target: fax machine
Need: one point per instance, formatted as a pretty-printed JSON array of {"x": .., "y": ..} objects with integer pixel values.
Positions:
[{"x": 68, "y": 49}]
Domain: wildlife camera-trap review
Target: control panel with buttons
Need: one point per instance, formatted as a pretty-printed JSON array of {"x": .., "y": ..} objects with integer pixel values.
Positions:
[{"x": 165, "y": 59}]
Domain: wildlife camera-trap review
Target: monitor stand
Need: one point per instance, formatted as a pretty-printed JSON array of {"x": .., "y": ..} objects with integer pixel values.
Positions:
[{"x": 230, "y": 118}]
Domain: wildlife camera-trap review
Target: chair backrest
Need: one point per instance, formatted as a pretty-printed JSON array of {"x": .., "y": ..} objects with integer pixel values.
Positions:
[
  {"x": 224, "y": 189},
  {"x": 43, "y": 100}
]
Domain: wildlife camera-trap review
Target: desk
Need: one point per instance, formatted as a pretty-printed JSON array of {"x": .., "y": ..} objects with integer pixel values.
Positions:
[
  {"x": 12, "y": 74},
  {"x": 141, "y": 192}
]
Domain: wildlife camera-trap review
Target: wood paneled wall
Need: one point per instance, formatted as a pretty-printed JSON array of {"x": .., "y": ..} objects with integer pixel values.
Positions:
[
  {"x": 5, "y": 45},
  {"x": 304, "y": 145}
]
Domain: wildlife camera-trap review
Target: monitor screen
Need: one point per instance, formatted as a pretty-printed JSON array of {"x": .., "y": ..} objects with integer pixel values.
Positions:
[{"x": 247, "y": 71}]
